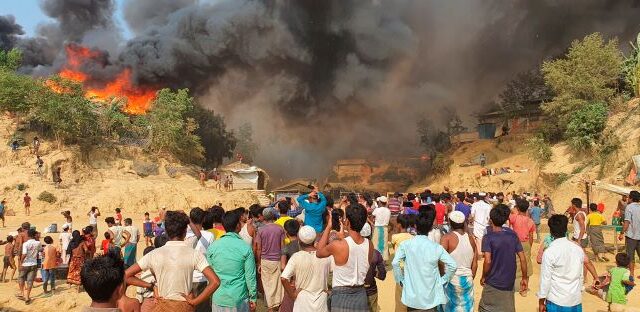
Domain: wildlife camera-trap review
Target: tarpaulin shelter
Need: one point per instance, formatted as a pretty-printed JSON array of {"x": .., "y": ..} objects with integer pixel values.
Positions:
[{"x": 246, "y": 177}]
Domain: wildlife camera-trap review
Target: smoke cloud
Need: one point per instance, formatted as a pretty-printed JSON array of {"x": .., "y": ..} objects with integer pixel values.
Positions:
[
  {"x": 322, "y": 80},
  {"x": 9, "y": 31}
]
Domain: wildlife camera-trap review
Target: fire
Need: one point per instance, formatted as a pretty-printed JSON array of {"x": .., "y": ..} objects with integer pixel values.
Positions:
[{"x": 138, "y": 98}]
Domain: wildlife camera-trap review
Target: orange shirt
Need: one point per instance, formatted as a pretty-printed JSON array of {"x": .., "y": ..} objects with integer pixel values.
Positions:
[
  {"x": 50, "y": 257},
  {"x": 522, "y": 225}
]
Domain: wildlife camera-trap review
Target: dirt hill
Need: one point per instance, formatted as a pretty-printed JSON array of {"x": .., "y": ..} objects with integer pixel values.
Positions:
[
  {"x": 562, "y": 178},
  {"x": 120, "y": 176}
]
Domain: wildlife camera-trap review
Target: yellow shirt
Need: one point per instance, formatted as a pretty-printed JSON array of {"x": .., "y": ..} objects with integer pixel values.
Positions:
[
  {"x": 281, "y": 221},
  {"x": 396, "y": 239},
  {"x": 217, "y": 232},
  {"x": 595, "y": 218}
]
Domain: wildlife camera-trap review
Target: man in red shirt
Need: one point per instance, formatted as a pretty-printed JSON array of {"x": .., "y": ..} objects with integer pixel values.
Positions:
[{"x": 441, "y": 209}]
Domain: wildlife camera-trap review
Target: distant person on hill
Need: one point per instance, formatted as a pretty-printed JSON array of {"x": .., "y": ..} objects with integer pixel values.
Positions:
[
  {"x": 39, "y": 165},
  {"x": 483, "y": 160},
  {"x": 93, "y": 215},
  {"x": 147, "y": 229},
  {"x": 27, "y": 204},
  {"x": 57, "y": 177},
  {"x": 36, "y": 146},
  {"x": 3, "y": 208},
  {"x": 15, "y": 146},
  {"x": 202, "y": 177}
]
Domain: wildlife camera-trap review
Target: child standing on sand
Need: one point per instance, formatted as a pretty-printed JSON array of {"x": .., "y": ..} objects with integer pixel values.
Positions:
[
  {"x": 107, "y": 243},
  {"x": 620, "y": 278},
  {"x": 8, "y": 260},
  {"x": 147, "y": 228}
]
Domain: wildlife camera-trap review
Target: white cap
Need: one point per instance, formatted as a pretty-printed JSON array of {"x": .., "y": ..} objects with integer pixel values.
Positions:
[
  {"x": 366, "y": 230},
  {"x": 382, "y": 199},
  {"x": 482, "y": 194},
  {"x": 307, "y": 235},
  {"x": 456, "y": 216}
]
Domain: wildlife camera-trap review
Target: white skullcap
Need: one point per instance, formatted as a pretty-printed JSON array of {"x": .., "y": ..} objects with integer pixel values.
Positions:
[
  {"x": 482, "y": 194},
  {"x": 307, "y": 235},
  {"x": 382, "y": 199},
  {"x": 456, "y": 216}
]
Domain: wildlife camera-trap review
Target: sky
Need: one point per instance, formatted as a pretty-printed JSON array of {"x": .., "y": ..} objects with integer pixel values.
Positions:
[{"x": 29, "y": 15}]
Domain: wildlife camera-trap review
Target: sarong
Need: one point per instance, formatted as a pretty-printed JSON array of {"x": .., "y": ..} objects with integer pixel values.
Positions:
[
  {"x": 287, "y": 304},
  {"x": 459, "y": 291},
  {"x": 495, "y": 300},
  {"x": 526, "y": 247},
  {"x": 596, "y": 238},
  {"x": 380, "y": 241},
  {"x": 130, "y": 254},
  {"x": 400, "y": 307},
  {"x": 165, "y": 305},
  {"x": 311, "y": 302},
  {"x": 75, "y": 266},
  {"x": 349, "y": 299},
  {"x": 242, "y": 307},
  {"x": 552, "y": 307},
  {"x": 273, "y": 289}
]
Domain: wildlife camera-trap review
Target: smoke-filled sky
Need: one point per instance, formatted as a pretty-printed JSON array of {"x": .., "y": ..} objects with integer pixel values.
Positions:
[{"x": 321, "y": 80}]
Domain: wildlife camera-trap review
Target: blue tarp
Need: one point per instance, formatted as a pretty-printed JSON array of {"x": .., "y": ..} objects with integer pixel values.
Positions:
[{"x": 487, "y": 131}]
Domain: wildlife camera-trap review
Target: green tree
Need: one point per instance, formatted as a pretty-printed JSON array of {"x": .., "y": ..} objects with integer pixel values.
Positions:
[
  {"x": 589, "y": 73},
  {"x": 10, "y": 60},
  {"x": 586, "y": 125},
  {"x": 539, "y": 150},
  {"x": 245, "y": 145},
  {"x": 631, "y": 68},
  {"x": 172, "y": 130},
  {"x": 18, "y": 93},
  {"x": 217, "y": 141}
]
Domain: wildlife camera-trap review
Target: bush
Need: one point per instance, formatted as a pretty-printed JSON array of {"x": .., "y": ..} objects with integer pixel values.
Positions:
[
  {"x": 631, "y": 69},
  {"x": 47, "y": 197},
  {"x": 441, "y": 164},
  {"x": 539, "y": 150},
  {"x": 561, "y": 178},
  {"x": 588, "y": 74},
  {"x": 21, "y": 186},
  {"x": 586, "y": 125}
]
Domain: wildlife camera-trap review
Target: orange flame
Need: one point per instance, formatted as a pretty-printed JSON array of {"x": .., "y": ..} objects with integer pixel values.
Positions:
[{"x": 138, "y": 99}]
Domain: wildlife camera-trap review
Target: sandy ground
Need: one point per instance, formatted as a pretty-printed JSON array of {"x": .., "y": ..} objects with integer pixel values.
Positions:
[{"x": 68, "y": 299}]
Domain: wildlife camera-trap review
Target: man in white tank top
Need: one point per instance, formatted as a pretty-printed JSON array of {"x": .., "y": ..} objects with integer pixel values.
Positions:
[
  {"x": 579, "y": 222},
  {"x": 462, "y": 248},
  {"x": 352, "y": 257}
]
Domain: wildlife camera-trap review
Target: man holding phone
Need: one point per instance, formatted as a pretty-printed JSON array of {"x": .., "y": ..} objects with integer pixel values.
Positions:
[{"x": 314, "y": 204}]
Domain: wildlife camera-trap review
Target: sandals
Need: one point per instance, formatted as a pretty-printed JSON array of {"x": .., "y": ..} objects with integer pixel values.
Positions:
[{"x": 28, "y": 302}]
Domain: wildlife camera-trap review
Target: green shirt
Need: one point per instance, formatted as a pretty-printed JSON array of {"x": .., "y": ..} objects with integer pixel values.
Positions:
[
  {"x": 232, "y": 260},
  {"x": 616, "y": 293}
]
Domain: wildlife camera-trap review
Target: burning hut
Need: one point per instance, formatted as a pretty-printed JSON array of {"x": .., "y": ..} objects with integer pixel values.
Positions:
[{"x": 246, "y": 177}]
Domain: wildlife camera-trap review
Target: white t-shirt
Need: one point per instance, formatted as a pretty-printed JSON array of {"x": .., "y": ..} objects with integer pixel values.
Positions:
[
  {"x": 480, "y": 211},
  {"x": 134, "y": 233},
  {"x": 92, "y": 218},
  {"x": 311, "y": 275},
  {"x": 206, "y": 239},
  {"x": 117, "y": 234},
  {"x": 30, "y": 250},
  {"x": 65, "y": 238},
  {"x": 382, "y": 214}
]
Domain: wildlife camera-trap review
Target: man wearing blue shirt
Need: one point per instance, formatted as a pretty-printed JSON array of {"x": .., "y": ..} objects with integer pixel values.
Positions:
[
  {"x": 423, "y": 287},
  {"x": 314, "y": 205}
]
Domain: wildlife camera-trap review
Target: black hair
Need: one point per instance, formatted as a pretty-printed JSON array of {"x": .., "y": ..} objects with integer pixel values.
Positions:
[
  {"x": 107, "y": 235},
  {"x": 460, "y": 196},
  {"x": 118, "y": 210},
  {"x": 87, "y": 230},
  {"x": 48, "y": 239},
  {"x": 352, "y": 198},
  {"x": 26, "y": 225},
  {"x": 110, "y": 220},
  {"x": 148, "y": 250},
  {"x": 403, "y": 220},
  {"x": 230, "y": 221},
  {"x": 424, "y": 222},
  {"x": 536, "y": 202},
  {"x": 336, "y": 215},
  {"x": 635, "y": 196},
  {"x": 622, "y": 259},
  {"x": 217, "y": 213},
  {"x": 160, "y": 240},
  {"x": 175, "y": 224},
  {"x": 411, "y": 196},
  {"x": 330, "y": 202},
  {"x": 207, "y": 221},
  {"x": 76, "y": 239},
  {"x": 435, "y": 197},
  {"x": 499, "y": 214},
  {"x": 283, "y": 207},
  {"x": 577, "y": 202},
  {"x": 522, "y": 205},
  {"x": 128, "y": 221},
  {"x": 558, "y": 225},
  {"x": 292, "y": 227},
  {"x": 9, "y": 238},
  {"x": 32, "y": 233},
  {"x": 240, "y": 210},
  {"x": 146, "y": 213},
  {"x": 253, "y": 210},
  {"x": 456, "y": 226},
  {"x": 197, "y": 215},
  {"x": 101, "y": 276},
  {"x": 357, "y": 216},
  {"x": 407, "y": 204},
  {"x": 593, "y": 207}
]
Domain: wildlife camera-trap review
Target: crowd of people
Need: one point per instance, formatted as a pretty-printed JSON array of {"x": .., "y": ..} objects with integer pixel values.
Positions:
[{"x": 312, "y": 253}]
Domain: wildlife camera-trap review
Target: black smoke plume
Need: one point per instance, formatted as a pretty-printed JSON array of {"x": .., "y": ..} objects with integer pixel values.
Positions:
[{"x": 321, "y": 80}]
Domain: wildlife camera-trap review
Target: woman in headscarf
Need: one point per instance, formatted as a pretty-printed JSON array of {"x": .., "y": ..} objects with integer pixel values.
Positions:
[{"x": 78, "y": 250}]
